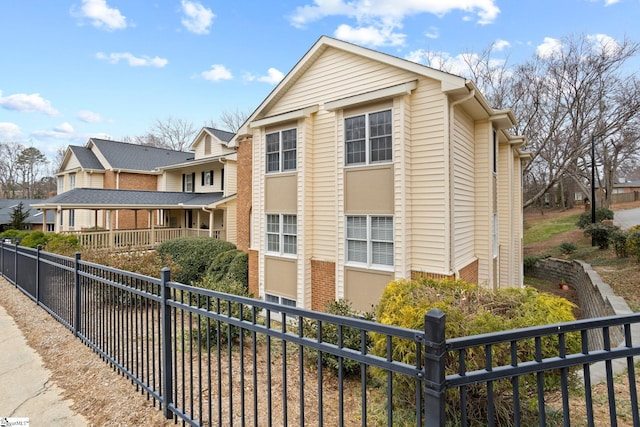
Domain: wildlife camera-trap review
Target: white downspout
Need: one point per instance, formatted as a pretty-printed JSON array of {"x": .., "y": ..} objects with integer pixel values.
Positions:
[{"x": 452, "y": 244}]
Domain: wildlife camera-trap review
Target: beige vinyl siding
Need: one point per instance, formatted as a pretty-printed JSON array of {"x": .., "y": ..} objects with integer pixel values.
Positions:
[
  {"x": 505, "y": 217},
  {"x": 231, "y": 223},
  {"x": 72, "y": 163},
  {"x": 516, "y": 196},
  {"x": 463, "y": 183},
  {"x": 324, "y": 164},
  {"x": 349, "y": 75},
  {"x": 483, "y": 201},
  {"x": 428, "y": 195},
  {"x": 306, "y": 235},
  {"x": 173, "y": 181},
  {"x": 96, "y": 180},
  {"x": 230, "y": 179},
  {"x": 403, "y": 190}
]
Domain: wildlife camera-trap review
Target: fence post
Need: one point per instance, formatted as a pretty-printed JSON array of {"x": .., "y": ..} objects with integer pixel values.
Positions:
[
  {"x": 167, "y": 361},
  {"x": 38, "y": 249},
  {"x": 76, "y": 316},
  {"x": 2, "y": 256},
  {"x": 15, "y": 263},
  {"x": 435, "y": 354}
]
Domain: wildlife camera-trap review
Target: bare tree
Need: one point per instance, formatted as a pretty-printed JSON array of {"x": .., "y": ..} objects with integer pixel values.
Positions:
[
  {"x": 9, "y": 152},
  {"x": 172, "y": 133},
  {"x": 234, "y": 119},
  {"x": 562, "y": 99},
  {"x": 30, "y": 165}
]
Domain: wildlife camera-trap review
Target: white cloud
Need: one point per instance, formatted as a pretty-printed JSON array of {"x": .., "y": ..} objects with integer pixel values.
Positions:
[
  {"x": 89, "y": 116},
  {"x": 216, "y": 73},
  {"x": 27, "y": 103},
  {"x": 384, "y": 13},
  {"x": 370, "y": 36},
  {"x": 433, "y": 33},
  {"x": 10, "y": 132},
  {"x": 62, "y": 131},
  {"x": 134, "y": 61},
  {"x": 102, "y": 16},
  {"x": 550, "y": 47},
  {"x": 274, "y": 76},
  {"x": 610, "y": 2},
  {"x": 197, "y": 17},
  {"x": 500, "y": 45},
  {"x": 602, "y": 43}
]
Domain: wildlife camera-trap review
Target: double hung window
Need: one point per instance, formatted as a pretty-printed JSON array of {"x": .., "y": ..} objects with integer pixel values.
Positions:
[
  {"x": 368, "y": 138},
  {"x": 370, "y": 240},
  {"x": 282, "y": 234},
  {"x": 282, "y": 151}
]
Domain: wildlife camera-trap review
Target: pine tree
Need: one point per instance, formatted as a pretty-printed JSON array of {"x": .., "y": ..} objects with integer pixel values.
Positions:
[{"x": 18, "y": 217}]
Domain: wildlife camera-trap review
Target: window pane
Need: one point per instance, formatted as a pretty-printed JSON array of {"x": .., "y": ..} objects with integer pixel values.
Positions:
[
  {"x": 273, "y": 243},
  {"x": 355, "y": 135},
  {"x": 380, "y": 124},
  {"x": 290, "y": 245},
  {"x": 273, "y": 223},
  {"x": 381, "y": 149},
  {"x": 357, "y": 227},
  {"x": 289, "y": 160},
  {"x": 289, "y": 224},
  {"x": 273, "y": 152},
  {"x": 289, "y": 139},
  {"x": 288, "y": 302},
  {"x": 382, "y": 253},
  {"x": 382, "y": 228},
  {"x": 273, "y": 142},
  {"x": 357, "y": 251},
  {"x": 271, "y": 298}
]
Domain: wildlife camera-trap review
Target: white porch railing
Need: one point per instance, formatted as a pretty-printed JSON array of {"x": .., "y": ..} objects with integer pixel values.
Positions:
[{"x": 143, "y": 238}]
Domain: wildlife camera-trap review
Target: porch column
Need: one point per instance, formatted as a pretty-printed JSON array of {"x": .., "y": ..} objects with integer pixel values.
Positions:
[
  {"x": 44, "y": 220},
  {"x": 211, "y": 215},
  {"x": 152, "y": 226}
]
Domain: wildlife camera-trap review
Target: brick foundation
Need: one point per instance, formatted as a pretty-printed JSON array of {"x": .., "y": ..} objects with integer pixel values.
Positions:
[
  {"x": 470, "y": 273},
  {"x": 323, "y": 284}
]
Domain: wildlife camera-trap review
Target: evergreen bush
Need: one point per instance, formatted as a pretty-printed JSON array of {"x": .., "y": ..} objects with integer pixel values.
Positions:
[
  {"x": 601, "y": 233},
  {"x": 601, "y": 214},
  {"x": 230, "y": 265},
  {"x": 351, "y": 337},
  {"x": 193, "y": 255},
  {"x": 472, "y": 310}
]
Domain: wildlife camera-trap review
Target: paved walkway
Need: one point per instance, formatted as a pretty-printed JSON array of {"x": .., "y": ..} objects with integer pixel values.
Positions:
[{"x": 25, "y": 388}]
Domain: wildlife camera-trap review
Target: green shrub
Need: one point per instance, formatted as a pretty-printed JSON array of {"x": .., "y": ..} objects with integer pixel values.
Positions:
[
  {"x": 619, "y": 240},
  {"x": 33, "y": 239},
  {"x": 351, "y": 337},
  {"x": 230, "y": 265},
  {"x": 568, "y": 247},
  {"x": 14, "y": 234},
  {"x": 214, "y": 332},
  {"x": 601, "y": 233},
  {"x": 529, "y": 263},
  {"x": 601, "y": 214},
  {"x": 193, "y": 255},
  {"x": 472, "y": 310},
  {"x": 61, "y": 244},
  {"x": 632, "y": 243}
]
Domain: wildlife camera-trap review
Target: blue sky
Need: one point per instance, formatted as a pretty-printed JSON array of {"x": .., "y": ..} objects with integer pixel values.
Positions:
[{"x": 71, "y": 70}]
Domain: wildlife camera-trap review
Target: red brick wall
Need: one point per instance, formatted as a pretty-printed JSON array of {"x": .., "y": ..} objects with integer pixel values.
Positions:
[
  {"x": 253, "y": 273},
  {"x": 243, "y": 198},
  {"x": 470, "y": 272},
  {"x": 130, "y": 181},
  {"x": 323, "y": 284}
]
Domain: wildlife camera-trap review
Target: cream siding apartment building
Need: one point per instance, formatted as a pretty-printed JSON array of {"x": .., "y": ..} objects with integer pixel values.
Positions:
[
  {"x": 366, "y": 168},
  {"x": 114, "y": 185}
]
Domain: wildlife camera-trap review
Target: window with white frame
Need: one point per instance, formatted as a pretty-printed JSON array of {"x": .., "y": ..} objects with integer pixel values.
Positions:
[
  {"x": 282, "y": 151},
  {"x": 72, "y": 181},
  {"x": 72, "y": 218},
  {"x": 370, "y": 240},
  {"x": 279, "y": 300},
  {"x": 368, "y": 138},
  {"x": 60, "y": 184},
  {"x": 282, "y": 234}
]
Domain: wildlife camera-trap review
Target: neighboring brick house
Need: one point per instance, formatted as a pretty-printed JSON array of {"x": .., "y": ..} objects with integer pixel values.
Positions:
[
  {"x": 360, "y": 168},
  {"x": 116, "y": 185}
]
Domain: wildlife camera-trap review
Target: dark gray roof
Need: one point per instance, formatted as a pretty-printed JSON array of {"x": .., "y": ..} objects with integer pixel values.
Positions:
[
  {"x": 35, "y": 217},
  {"x": 122, "y": 155},
  {"x": 222, "y": 135},
  {"x": 86, "y": 157},
  {"x": 98, "y": 197}
]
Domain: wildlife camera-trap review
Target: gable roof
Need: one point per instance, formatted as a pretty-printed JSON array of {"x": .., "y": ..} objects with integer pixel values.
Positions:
[
  {"x": 99, "y": 198},
  {"x": 222, "y": 135},
  {"x": 451, "y": 84},
  {"x": 86, "y": 158},
  {"x": 123, "y": 155}
]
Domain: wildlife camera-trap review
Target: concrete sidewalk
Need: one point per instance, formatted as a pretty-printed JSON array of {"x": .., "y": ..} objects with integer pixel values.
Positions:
[{"x": 25, "y": 388}]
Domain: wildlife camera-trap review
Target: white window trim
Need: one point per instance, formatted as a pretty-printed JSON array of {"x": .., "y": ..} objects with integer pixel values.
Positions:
[
  {"x": 367, "y": 139},
  {"x": 281, "y": 152},
  {"x": 369, "y": 264},
  {"x": 280, "y": 299},
  {"x": 281, "y": 234}
]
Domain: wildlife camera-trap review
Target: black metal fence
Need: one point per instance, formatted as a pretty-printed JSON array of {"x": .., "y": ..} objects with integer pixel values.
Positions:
[{"x": 209, "y": 358}]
